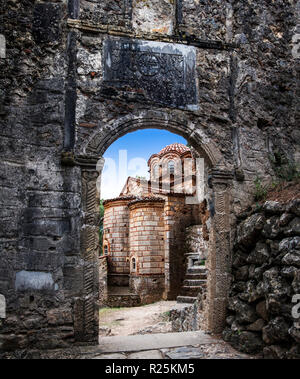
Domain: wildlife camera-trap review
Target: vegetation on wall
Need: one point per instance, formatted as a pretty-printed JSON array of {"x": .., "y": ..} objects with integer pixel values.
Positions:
[
  {"x": 261, "y": 190},
  {"x": 286, "y": 171}
]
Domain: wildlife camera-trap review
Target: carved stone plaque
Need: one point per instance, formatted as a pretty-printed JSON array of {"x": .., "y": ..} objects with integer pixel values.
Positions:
[{"x": 159, "y": 72}]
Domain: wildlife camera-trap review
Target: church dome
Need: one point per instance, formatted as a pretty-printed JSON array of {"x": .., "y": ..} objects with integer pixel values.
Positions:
[{"x": 178, "y": 147}]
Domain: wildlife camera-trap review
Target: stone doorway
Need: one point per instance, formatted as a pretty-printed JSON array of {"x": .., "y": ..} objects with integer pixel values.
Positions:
[
  {"x": 149, "y": 227},
  {"x": 219, "y": 181}
]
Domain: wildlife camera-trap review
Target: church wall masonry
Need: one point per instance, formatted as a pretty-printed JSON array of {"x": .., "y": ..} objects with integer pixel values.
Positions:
[
  {"x": 60, "y": 110},
  {"x": 116, "y": 241},
  {"x": 147, "y": 248}
]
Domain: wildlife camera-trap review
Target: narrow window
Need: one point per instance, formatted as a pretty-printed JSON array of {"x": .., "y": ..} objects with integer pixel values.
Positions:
[
  {"x": 171, "y": 167},
  {"x": 133, "y": 264},
  {"x": 105, "y": 250},
  {"x": 155, "y": 171}
]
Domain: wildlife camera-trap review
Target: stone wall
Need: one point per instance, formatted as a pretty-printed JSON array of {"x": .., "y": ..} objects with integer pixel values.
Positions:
[
  {"x": 117, "y": 301},
  {"x": 150, "y": 288},
  {"x": 103, "y": 280},
  {"x": 156, "y": 16},
  {"x": 265, "y": 278},
  {"x": 116, "y": 236},
  {"x": 178, "y": 215},
  {"x": 188, "y": 318},
  {"x": 41, "y": 271},
  {"x": 196, "y": 243},
  {"x": 147, "y": 236},
  {"x": 241, "y": 108}
]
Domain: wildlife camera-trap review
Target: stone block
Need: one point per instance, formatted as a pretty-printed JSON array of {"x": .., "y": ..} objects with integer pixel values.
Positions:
[
  {"x": 155, "y": 64},
  {"x": 46, "y": 22},
  {"x": 33, "y": 280},
  {"x": 60, "y": 316}
]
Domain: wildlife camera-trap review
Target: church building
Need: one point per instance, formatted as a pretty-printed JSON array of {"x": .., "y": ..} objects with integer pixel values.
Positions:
[{"x": 154, "y": 236}]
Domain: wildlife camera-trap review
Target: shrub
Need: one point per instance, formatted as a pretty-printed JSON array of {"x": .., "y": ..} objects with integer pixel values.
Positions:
[{"x": 261, "y": 190}]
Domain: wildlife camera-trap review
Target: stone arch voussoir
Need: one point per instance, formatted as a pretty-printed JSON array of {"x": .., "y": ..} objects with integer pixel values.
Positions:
[
  {"x": 105, "y": 135},
  {"x": 86, "y": 319}
]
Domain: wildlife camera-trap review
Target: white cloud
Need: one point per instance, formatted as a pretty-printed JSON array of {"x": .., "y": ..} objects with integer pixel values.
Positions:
[{"x": 115, "y": 174}]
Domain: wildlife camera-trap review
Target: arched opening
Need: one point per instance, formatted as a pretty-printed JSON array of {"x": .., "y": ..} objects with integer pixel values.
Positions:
[
  {"x": 218, "y": 185},
  {"x": 168, "y": 235}
]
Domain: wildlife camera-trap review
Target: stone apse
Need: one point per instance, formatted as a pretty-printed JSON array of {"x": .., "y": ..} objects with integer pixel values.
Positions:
[
  {"x": 146, "y": 230},
  {"x": 78, "y": 75}
]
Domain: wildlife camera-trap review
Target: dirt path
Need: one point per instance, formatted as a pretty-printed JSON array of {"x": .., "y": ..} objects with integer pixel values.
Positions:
[{"x": 151, "y": 318}]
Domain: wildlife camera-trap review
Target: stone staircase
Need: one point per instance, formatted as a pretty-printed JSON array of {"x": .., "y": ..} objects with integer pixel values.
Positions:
[{"x": 194, "y": 283}]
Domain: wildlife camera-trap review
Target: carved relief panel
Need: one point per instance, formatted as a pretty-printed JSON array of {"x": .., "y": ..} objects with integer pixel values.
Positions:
[{"x": 159, "y": 72}]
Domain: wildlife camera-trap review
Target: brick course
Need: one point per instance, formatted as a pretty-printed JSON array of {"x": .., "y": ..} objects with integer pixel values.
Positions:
[{"x": 116, "y": 232}]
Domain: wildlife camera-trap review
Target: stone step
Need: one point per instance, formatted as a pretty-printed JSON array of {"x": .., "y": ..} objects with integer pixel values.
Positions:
[
  {"x": 196, "y": 276},
  {"x": 198, "y": 264},
  {"x": 190, "y": 291},
  {"x": 186, "y": 299},
  {"x": 196, "y": 270},
  {"x": 143, "y": 342},
  {"x": 194, "y": 282}
]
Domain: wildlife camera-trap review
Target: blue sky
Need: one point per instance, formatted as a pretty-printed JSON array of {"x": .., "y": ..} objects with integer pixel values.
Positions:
[{"x": 136, "y": 147}]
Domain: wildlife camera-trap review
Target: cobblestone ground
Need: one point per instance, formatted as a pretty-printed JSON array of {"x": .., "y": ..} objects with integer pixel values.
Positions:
[{"x": 219, "y": 350}]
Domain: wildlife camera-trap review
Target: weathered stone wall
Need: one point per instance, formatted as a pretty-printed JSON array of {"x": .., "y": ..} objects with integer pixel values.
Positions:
[
  {"x": 265, "y": 89},
  {"x": 195, "y": 242},
  {"x": 150, "y": 288},
  {"x": 117, "y": 301},
  {"x": 237, "y": 106},
  {"x": 207, "y": 20},
  {"x": 103, "y": 280},
  {"x": 109, "y": 12},
  {"x": 40, "y": 263},
  {"x": 155, "y": 16},
  {"x": 188, "y": 318},
  {"x": 266, "y": 276}
]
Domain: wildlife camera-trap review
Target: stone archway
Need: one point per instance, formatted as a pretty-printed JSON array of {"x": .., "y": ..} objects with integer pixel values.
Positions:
[
  {"x": 86, "y": 310},
  {"x": 104, "y": 135}
]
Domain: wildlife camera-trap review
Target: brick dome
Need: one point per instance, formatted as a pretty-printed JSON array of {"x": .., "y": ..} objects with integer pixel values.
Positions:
[{"x": 178, "y": 147}]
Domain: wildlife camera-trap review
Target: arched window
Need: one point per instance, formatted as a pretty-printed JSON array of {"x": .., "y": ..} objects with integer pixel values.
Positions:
[
  {"x": 171, "y": 167},
  {"x": 156, "y": 171},
  {"x": 133, "y": 264}
]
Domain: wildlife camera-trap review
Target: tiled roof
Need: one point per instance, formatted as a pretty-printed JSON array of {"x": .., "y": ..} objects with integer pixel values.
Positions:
[
  {"x": 179, "y": 147},
  {"x": 119, "y": 198},
  {"x": 147, "y": 199}
]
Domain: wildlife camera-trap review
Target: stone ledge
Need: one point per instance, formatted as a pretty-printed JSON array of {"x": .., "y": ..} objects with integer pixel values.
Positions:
[{"x": 182, "y": 37}]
